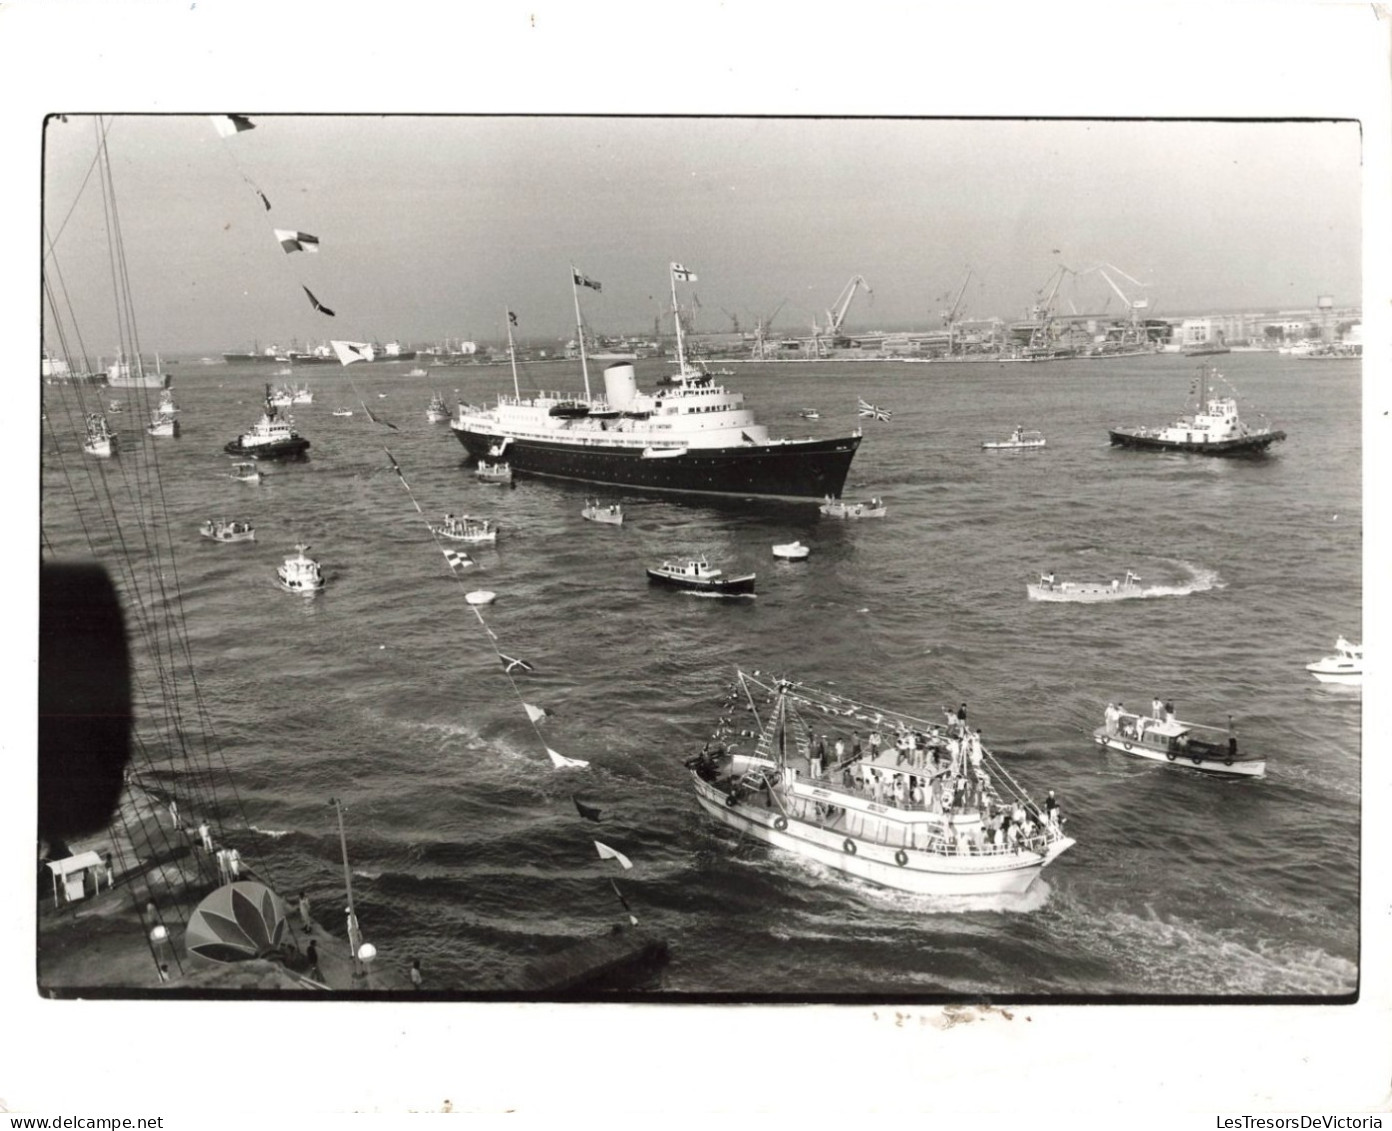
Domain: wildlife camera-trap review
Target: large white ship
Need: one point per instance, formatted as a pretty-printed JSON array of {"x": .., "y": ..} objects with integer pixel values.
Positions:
[{"x": 693, "y": 436}]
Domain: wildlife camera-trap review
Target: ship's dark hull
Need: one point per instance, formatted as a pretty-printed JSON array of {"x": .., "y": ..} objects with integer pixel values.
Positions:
[
  {"x": 731, "y": 586},
  {"x": 254, "y": 359},
  {"x": 1242, "y": 446},
  {"x": 803, "y": 469},
  {"x": 288, "y": 449}
]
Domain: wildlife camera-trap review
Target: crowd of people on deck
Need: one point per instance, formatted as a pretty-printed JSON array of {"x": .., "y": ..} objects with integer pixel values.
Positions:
[{"x": 937, "y": 769}]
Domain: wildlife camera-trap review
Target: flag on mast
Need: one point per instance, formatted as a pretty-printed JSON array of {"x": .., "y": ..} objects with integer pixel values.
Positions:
[
  {"x": 607, "y": 853},
  {"x": 682, "y": 275},
  {"x": 584, "y": 280},
  {"x": 865, "y": 408},
  {"x": 296, "y": 241}
]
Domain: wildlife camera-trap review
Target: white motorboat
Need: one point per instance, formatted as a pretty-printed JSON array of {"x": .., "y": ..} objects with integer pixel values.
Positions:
[
  {"x": 221, "y": 530},
  {"x": 247, "y": 473},
  {"x": 928, "y": 810},
  {"x": 497, "y": 472},
  {"x": 342, "y": 412},
  {"x": 595, "y": 511},
  {"x": 100, "y": 440},
  {"x": 1022, "y": 439},
  {"x": 1051, "y": 589},
  {"x": 300, "y": 574},
  {"x": 835, "y": 508},
  {"x": 1173, "y": 741},
  {"x": 791, "y": 551},
  {"x": 462, "y": 528},
  {"x": 161, "y": 425},
  {"x": 1345, "y": 666},
  {"x": 481, "y": 597}
]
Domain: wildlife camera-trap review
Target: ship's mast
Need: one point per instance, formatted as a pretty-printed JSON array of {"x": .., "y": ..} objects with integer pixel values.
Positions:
[
  {"x": 676, "y": 316},
  {"x": 512, "y": 353},
  {"x": 580, "y": 328}
]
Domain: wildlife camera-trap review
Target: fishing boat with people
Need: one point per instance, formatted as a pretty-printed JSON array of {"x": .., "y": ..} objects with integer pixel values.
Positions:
[
  {"x": 342, "y": 412},
  {"x": 436, "y": 412},
  {"x": 1050, "y": 588},
  {"x": 462, "y": 528},
  {"x": 695, "y": 436},
  {"x": 1212, "y": 429},
  {"x": 1345, "y": 666},
  {"x": 498, "y": 471},
  {"x": 915, "y": 806},
  {"x": 835, "y": 508},
  {"x": 223, "y": 530},
  {"x": 247, "y": 473},
  {"x": 271, "y": 437},
  {"x": 300, "y": 574},
  {"x": 1161, "y": 737},
  {"x": 791, "y": 551},
  {"x": 1022, "y": 439},
  {"x": 166, "y": 406},
  {"x": 99, "y": 440},
  {"x": 699, "y": 576},
  {"x": 595, "y": 511}
]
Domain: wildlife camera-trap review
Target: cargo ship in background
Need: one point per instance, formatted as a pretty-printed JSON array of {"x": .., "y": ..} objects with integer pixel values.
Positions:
[{"x": 694, "y": 436}]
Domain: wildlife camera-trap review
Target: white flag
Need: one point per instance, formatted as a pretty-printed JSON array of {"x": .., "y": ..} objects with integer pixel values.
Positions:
[
  {"x": 682, "y": 275},
  {"x": 349, "y": 352},
  {"x": 536, "y": 714},
  {"x": 561, "y": 762},
  {"x": 607, "y": 853}
]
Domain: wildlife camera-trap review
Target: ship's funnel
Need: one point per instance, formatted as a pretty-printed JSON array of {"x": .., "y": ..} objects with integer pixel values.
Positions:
[{"x": 620, "y": 385}]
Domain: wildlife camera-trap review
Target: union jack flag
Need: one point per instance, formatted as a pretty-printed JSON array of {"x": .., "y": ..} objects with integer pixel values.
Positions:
[{"x": 867, "y": 409}]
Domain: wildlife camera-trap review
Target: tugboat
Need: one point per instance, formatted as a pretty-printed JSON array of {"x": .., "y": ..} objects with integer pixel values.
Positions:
[
  {"x": 100, "y": 439},
  {"x": 1050, "y": 589},
  {"x": 1345, "y": 666},
  {"x": 1171, "y": 740},
  {"x": 925, "y": 808},
  {"x": 300, "y": 574},
  {"x": 595, "y": 511},
  {"x": 1212, "y": 430},
  {"x": 462, "y": 528},
  {"x": 698, "y": 575},
  {"x": 835, "y": 508},
  {"x": 220, "y": 530},
  {"x": 270, "y": 437}
]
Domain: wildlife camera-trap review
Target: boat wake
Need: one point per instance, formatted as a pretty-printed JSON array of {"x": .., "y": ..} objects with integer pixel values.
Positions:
[{"x": 274, "y": 834}]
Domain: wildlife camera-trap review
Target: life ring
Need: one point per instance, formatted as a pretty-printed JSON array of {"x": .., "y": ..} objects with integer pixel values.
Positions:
[
  {"x": 1227, "y": 761},
  {"x": 849, "y": 846},
  {"x": 1197, "y": 760},
  {"x": 1126, "y": 746},
  {"x": 901, "y": 857},
  {"x": 731, "y": 800},
  {"x": 780, "y": 822},
  {"x": 1170, "y": 756}
]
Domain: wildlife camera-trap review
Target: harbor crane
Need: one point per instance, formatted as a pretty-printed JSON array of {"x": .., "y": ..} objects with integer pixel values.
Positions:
[
  {"x": 837, "y": 314},
  {"x": 1042, "y": 313},
  {"x": 950, "y": 316},
  {"x": 761, "y": 331},
  {"x": 734, "y": 320}
]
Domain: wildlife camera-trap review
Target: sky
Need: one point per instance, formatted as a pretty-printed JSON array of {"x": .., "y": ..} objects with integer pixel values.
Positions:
[{"x": 432, "y": 226}]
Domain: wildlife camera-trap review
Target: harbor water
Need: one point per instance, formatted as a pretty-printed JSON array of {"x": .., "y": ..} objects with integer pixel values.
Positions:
[{"x": 467, "y": 849}]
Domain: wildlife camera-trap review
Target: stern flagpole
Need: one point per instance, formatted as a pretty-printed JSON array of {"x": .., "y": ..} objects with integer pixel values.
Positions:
[{"x": 580, "y": 329}]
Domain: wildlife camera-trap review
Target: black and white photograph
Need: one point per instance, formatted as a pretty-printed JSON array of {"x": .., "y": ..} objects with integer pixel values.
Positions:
[{"x": 604, "y": 558}]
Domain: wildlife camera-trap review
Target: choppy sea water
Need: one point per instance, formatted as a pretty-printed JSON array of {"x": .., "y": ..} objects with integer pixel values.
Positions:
[{"x": 385, "y": 691}]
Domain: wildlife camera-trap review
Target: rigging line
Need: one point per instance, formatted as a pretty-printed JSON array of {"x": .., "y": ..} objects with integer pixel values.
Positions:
[
  {"x": 96, "y": 158},
  {"x": 58, "y": 319},
  {"x": 459, "y": 580}
]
